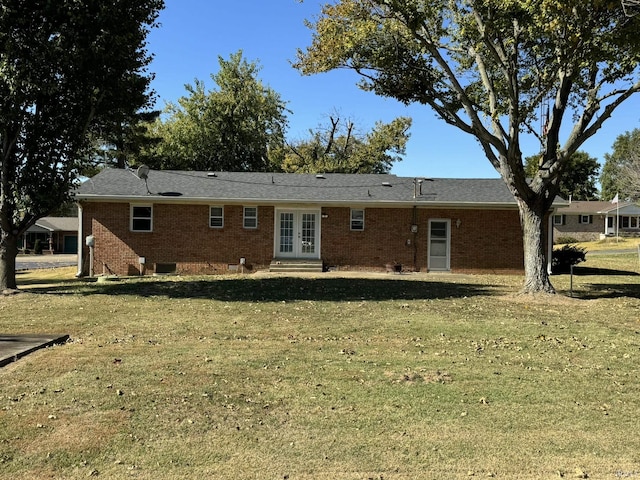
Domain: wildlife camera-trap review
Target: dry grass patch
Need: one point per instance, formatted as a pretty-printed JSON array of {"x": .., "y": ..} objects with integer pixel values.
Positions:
[{"x": 394, "y": 377}]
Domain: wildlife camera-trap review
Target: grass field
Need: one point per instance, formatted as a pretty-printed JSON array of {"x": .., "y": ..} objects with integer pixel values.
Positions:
[{"x": 356, "y": 377}]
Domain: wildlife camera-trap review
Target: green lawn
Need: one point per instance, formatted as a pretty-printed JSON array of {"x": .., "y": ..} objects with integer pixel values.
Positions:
[{"x": 363, "y": 377}]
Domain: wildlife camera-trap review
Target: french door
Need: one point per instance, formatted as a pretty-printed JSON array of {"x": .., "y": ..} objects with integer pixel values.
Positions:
[{"x": 297, "y": 234}]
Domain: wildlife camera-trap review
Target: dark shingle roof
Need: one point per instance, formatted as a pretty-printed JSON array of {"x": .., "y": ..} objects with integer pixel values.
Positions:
[
  {"x": 588, "y": 207},
  {"x": 58, "y": 224},
  {"x": 181, "y": 186}
]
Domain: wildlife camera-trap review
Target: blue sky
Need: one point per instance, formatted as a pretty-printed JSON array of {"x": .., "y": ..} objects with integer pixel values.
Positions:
[{"x": 193, "y": 33}]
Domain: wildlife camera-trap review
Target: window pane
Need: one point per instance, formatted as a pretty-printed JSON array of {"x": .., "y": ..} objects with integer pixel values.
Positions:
[
  {"x": 141, "y": 218},
  {"x": 250, "y": 217},
  {"x": 142, "y": 224},
  {"x": 286, "y": 232},
  {"x": 141, "y": 212},
  {"x": 216, "y": 218},
  {"x": 357, "y": 219},
  {"x": 438, "y": 229},
  {"x": 438, "y": 248}
]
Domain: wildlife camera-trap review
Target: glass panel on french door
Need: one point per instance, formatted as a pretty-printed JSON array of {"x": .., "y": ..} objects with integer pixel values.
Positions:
[
  {"x": 286, "y": 232},
  {"x": 308, "y": 236}
]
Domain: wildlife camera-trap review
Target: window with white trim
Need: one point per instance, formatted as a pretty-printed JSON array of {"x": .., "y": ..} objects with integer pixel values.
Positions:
[
  {"x": 250, "y": 217},
  {"x": 634, "y": 222},
  {"x": 624, "y": 222},
  {"x": 558, "y": 219},
  {"x": 357, "y": 219},
  {"x": 141, "y": 218},
  {"x": 216, "y": 217},
  {"x": 585, "y": 219}
]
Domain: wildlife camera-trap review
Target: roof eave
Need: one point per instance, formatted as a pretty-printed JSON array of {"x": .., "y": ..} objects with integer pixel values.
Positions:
[{"x": 289, "y": 201}]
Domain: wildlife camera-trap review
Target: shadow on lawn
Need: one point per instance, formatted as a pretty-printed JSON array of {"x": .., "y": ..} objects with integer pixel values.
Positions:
[
  {"x": 582, "y": 271},
  {"x": 598, "y": 289},
  {"x": 280, "y": 289}
]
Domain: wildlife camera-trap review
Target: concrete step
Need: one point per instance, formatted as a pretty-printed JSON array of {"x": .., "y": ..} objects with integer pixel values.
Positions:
[{"x": 295, "y": 265}]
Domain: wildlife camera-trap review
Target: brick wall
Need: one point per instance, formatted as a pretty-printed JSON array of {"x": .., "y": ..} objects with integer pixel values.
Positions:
[
  {"x": 181, "y": 235},
  {"x": 482, "y": 241}
]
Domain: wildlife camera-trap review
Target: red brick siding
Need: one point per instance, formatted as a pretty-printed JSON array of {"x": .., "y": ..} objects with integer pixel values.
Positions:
[
  {"x": 181, "y": 235},
  {"x": 485, "y": 241},
  {"x": 383, "y": 240}
]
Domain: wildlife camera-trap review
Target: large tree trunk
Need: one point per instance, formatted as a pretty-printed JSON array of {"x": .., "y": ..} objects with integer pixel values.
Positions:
[
  {"x": 8, "y": 253},
  {"x": 536, "y": 276}
]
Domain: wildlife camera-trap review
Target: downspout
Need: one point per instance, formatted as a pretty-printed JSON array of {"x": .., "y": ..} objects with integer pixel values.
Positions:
[
  {"x": 80, "y": 241},
  {"x": 415, "y": 235},
  {"x": 550, "y": 241}
]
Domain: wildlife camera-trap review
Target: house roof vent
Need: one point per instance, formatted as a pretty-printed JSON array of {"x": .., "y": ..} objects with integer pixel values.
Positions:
[
  {"x": 211, "y": 174},
  {"x": 320, "y": 176},
  {"x": 386, "y": 184}
]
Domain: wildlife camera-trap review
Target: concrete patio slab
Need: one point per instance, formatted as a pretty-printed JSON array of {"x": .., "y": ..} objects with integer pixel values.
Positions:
[{"x": 14, "y": 347}]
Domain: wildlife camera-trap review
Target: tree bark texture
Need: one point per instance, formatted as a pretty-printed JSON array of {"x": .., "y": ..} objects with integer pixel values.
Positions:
[
  {"x": 534, "y": 231},
  {"x": 8, "y": 253}
]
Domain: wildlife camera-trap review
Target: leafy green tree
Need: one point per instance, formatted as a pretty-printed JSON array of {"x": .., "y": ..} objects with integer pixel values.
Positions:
[
  {"x": 340, "y": 149},
  {"x": 66, "y": 68},
  {"x": 234, "y": 128},
  {"x": 619, "y": 164},
  {"x": 578, "y": 181},
  {"x": 486, "y": 68},
  {"x": 124, "y": 143}
]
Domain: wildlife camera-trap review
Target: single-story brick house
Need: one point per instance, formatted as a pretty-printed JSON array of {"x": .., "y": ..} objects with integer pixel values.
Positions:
[
  {"x": 206, "y": 222},
  {"x": 56, "y": 235},
  {"x": 592, "y": 220}
]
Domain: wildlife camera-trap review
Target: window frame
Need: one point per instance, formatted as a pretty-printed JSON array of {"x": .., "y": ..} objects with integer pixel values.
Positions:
[
  {"x": 584, "y": 219},
  {"x": 558, "y": 219},
  {"x": 220, "y": 217},
  {"x": 246, "y": 217},
  {"x": 353, "y": 222},
  {"x": 133, "y": 217},
  {"x": 625, "y": 221}
]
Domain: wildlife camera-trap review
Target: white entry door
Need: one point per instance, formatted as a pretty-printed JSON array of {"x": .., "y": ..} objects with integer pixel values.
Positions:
[
  {"x": 439, "y": 245},
  {"x": 298, "y": 234}
]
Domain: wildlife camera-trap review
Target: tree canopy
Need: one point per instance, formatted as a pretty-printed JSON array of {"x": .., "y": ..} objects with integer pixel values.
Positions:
[
  {"x": 67, "y": 68},
  {"x": 578, "y": 182},
  {"x": 340, "y": 148},
  {"x": 237, "y": 127},
  {"x": 487, "y": 68},
  {"x": 619, "y": 164}
]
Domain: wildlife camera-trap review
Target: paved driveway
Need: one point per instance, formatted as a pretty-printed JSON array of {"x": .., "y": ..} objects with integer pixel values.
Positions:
[{"x": 30, "y": 262}]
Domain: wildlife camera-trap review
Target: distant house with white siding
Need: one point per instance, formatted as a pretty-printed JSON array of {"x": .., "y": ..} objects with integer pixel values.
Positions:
[{"x": 591, "y": 220}]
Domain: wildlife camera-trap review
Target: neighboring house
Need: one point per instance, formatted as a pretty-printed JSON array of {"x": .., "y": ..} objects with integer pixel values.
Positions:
[
  {"x": 590, "y": 220},
  {"x": 205, "y": 222},
  {"x": 56, "y": 235}
]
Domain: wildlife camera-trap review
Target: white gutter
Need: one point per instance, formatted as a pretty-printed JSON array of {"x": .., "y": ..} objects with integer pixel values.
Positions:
[{"x": 289, "y": 201}]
